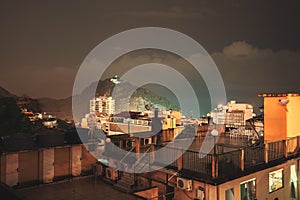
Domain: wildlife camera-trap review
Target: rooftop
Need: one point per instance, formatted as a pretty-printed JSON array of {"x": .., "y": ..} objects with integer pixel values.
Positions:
[
  {"x": 232, "y": 158},
  {"x": 83, "y": 189}
]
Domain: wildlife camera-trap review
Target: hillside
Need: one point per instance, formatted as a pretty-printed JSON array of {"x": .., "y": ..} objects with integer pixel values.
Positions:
[
  {"x": 5, "y": 93},
  {"x": 140, "y": 99},
  {"x": 62, "y": 108},
  {"x": 151, "y": 97},
  {"x": 11, "y": 119}
]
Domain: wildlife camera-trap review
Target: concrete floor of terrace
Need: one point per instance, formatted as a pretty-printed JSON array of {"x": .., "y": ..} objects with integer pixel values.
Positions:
[{"x": 77, "y": 189}]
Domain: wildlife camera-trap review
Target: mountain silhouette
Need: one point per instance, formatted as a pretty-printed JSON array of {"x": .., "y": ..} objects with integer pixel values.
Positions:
[
  {"x": 5, "y": 93},
  {"x": 140, "y": 98}
]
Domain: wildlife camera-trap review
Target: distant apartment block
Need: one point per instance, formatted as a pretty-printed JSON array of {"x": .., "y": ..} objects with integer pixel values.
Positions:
[
  {"x": 233, "y": 114},
  {"x": 102, "y": 104}
]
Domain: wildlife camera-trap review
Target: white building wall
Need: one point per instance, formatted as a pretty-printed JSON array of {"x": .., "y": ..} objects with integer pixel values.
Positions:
[
  {"x": 219, "y": 114},
  {"x": 102, "y": 105}
]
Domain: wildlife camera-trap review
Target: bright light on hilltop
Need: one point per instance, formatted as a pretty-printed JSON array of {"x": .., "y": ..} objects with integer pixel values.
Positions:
[{"x": 116, "y": 80}]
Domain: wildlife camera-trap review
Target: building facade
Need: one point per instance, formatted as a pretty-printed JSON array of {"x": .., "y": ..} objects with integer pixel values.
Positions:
[
  {"x": 104, "y": 105},
  {"x": 233, "y": 114}
]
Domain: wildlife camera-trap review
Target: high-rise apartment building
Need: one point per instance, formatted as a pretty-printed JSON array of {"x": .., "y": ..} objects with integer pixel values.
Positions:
[{"x": 102, "y": 104}]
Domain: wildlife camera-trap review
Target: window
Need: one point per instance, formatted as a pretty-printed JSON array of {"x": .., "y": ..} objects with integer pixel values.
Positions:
[
  {"x": 294, "y": 179},
  {"x": 248, "y": 190},
  {"x": 275, "y": 180},
  {"x": 229, "y": 194}
]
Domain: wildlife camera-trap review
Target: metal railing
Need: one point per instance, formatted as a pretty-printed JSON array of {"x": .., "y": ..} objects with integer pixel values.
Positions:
[
  {"x": 229, "y": 163},
  {"x": 234, "y": 159},
  {"x": 128, "y": 153},
  {"x": 227, "y": 160},
  {"x": 142, "y": 161},
  {"x": 276, "y": 150},
  {"x": 197, "y": 162},
  {"x": 167, "y": 157},
  {"x": 292, "y": 145},
  {"x": 254, "y": 156}
]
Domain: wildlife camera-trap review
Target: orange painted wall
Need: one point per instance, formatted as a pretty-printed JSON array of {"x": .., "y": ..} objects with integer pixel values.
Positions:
[
  {"x": 281, "y": 122},
  {"x": 275, "y": 119},
  {"x": 293, "y": 117}
]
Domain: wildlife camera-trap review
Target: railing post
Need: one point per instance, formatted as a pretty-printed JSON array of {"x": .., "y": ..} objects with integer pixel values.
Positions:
[
  {"x": 214, "y": 166},
  {"x": 213, "y": 169},
  {"x": 266, "y": 153},
  {"x": 96, "y": 151},
  {"x": 70, "y": 160},
  {"x": 152, "y": 154},
  {"x": 138, "y": 147},
  {"x": 242, "y": 159},
  {"x": 298, "y": 142},
  {"x": 285, "y": 149},
  {"x": 179, "y": 160},
  {"x": 217, "y": 166}
]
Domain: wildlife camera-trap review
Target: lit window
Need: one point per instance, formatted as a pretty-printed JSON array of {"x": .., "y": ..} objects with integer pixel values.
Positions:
[{"x": 275, "y": 180}]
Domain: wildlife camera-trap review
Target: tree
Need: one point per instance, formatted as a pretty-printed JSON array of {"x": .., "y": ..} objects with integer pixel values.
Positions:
[{"x": 11, "y": 119}]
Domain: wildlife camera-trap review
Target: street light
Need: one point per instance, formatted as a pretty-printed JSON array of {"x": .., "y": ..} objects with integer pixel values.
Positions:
[{"x": 215, "y": 134}]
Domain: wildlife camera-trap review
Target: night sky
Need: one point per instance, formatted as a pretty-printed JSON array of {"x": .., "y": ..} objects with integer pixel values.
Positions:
[{"x": 255, "y": 44}]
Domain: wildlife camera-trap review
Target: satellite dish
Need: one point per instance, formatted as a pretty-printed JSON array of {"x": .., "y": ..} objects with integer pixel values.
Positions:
[{"x": 283, "y": 102}]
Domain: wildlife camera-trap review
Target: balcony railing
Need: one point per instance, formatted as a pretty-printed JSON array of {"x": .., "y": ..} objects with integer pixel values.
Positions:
[
  {"x": 226, "y": 162},
  {"x": 234, "y": 162},
  {"x": 196, "y": 162},
  {"x": 254, "y": 156},
  {"x": 170, "y": 154},
  {"x": 276, "y": 150},
  {"x": 292, "y": 145}
]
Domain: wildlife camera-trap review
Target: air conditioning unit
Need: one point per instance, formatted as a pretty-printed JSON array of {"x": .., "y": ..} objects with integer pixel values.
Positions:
[
  {"x": 146, "y": 141},
  {"x": 184, "y": 184},
  {"x": 200, "y": 193},
  {"x": 112, "y": 174}
]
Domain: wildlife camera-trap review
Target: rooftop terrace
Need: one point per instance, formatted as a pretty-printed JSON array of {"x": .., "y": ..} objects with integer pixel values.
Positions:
[{"x": 232, "y": 157}]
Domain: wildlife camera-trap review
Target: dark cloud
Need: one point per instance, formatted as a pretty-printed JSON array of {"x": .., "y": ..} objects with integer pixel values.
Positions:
[
  {"x": 55, "y": 82},
  {"x": 248, "y": 70},
  {"x": 38, "y": 37}
]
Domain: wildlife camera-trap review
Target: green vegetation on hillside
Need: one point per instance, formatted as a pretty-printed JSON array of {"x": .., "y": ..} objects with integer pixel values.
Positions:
[
  {"x": 11, "y": 119},
  {"x": 151, "y": 98}
]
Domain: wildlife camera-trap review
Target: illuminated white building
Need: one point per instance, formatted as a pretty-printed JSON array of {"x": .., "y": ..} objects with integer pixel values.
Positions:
[
  {"x": 232, "y": 114},
  {"x": 104, "y": 105}
]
